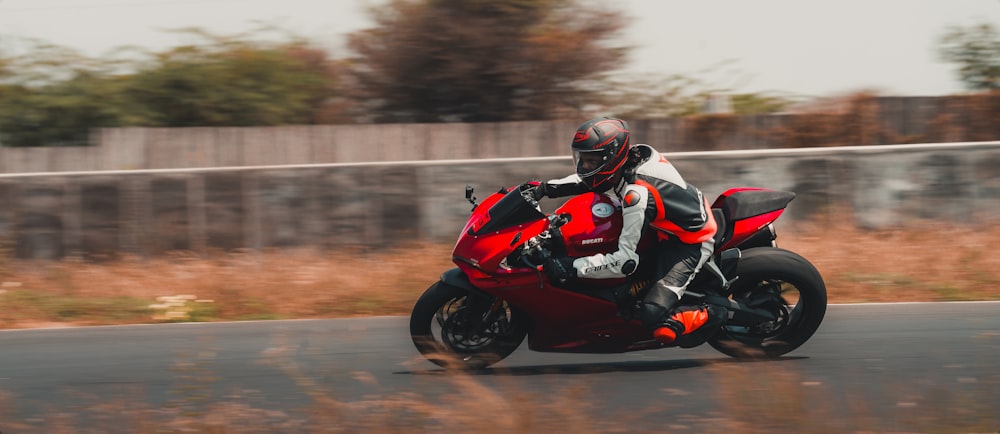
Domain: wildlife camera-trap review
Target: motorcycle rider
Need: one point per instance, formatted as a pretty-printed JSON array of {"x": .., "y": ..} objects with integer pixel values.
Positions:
[{"x": 654, "y": 197}]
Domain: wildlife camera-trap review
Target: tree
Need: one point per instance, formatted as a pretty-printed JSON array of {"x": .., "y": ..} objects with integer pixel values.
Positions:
[
  {"x": 52, "y": 96},
  {"x": 234, "y": 82},
  {"x": 482, "y": 60},
  {"x": 977, "y": 51},
  {"x": 61, "y": 114}
]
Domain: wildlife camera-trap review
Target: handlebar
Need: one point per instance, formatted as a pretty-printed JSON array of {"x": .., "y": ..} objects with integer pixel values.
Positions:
[{"x": 543, "y": 246}]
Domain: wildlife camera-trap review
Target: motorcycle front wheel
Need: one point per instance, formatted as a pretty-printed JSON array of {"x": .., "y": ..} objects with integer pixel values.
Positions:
[
  {"x": 458, "y": 330},
  {"x": 786, "y": 285}
]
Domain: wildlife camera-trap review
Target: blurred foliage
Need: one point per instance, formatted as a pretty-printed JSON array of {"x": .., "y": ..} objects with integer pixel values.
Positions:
[
  {"x": 60, "y": 114},
  {"x": 976, "y": 49},
  {"x": 666, "y": 96},
  {"x": 24, "y": 305},
  {"x": 234, "y": 82},
  {"x": 54, "y": 96},
  {"x": 422, "y": 61},
  {"x": 759, "y": 104},
  {"x": 650, "y": 96},
  {"x": 478, "y": 61}
]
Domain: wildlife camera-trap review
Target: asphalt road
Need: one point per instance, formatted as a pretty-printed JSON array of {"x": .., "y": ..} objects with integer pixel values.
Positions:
[{"x": 882, "y": 367}]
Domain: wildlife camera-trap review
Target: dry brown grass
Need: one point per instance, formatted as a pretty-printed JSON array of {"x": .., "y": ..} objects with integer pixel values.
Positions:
[{"x": 928, "y": 263}]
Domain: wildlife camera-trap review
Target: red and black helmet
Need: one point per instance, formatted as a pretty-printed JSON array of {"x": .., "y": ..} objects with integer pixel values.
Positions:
[{"x": 605, "y": 141}]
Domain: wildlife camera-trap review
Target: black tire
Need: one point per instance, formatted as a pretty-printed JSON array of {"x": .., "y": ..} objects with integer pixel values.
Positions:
[
  {"x": 450, "y": 334},
  {"x": 781, "y": 274}
]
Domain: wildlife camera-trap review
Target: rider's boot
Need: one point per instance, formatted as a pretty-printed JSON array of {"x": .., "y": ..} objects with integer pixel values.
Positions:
[
  {"x": 658, "y": 314},
  {"x": 681, "y": 323}
]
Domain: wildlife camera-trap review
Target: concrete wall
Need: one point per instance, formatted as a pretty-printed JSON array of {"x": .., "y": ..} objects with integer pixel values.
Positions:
[
  {"x": 872, "y": 121},
  {"x": 149, "y": 212}
]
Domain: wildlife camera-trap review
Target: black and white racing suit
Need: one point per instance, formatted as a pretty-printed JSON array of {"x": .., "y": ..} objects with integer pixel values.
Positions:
[{"x": 654, "y": 196}]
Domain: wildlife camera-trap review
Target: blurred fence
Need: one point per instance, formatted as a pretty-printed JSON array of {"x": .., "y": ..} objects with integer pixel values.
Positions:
[
  {"x": 871, "y": 121},
  {"x": 375, "y": 205}
]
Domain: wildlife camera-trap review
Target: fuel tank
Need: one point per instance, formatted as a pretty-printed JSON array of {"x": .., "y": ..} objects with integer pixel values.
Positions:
[{"x": 594, "y": 226}]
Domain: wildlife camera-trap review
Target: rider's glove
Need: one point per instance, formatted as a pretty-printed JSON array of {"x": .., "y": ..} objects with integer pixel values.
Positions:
[
  {"x": 559, "y": 269},
  {"x": 540, "y": 190}
]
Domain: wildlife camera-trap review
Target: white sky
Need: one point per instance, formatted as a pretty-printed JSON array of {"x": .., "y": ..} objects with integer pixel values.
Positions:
[{"x": 804, "y": 47}]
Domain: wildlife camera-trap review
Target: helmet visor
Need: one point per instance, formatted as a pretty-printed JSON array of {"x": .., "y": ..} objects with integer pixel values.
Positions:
[{"x": 590, "y": 162}]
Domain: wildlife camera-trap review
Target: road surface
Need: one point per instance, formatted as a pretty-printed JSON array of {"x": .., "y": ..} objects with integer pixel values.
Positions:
[{"x": 883, "y": 367}]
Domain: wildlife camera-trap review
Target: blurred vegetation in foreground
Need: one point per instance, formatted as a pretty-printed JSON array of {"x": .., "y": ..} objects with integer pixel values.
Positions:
[{"x": 753, "y": 397}]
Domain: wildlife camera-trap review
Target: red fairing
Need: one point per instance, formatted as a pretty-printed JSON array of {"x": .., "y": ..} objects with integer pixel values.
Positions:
[
  {"x": 564, "y": 320},
  {"x": 484, "y": 252},
  {"x": 744, "y": 228},
  {"x": 595, "y": 226}
]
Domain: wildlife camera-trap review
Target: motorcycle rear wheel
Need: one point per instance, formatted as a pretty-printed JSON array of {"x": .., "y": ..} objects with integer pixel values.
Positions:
[
  {"x": 784, "y": 283},
  {"x": 450, "y": 330}
]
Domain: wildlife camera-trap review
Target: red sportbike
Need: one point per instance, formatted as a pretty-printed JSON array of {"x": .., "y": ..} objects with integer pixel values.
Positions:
[{"x": 764, "y": 301}]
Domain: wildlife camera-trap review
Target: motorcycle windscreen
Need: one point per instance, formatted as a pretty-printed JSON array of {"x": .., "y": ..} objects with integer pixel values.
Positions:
[{"x": 511, "y": 210}]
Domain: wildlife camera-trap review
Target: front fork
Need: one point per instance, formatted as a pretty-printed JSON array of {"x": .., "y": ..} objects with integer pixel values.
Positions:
[{"x": 486, "y": 308}]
